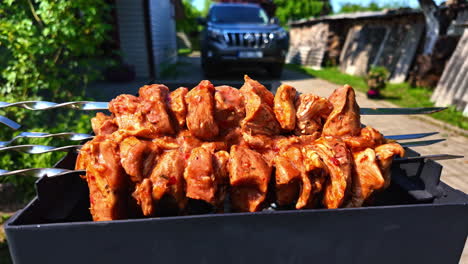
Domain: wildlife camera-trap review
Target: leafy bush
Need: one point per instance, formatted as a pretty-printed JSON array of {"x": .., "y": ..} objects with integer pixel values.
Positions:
[
  {"x": 377, "y": 77},
  {"x": 49, "y": 50}
]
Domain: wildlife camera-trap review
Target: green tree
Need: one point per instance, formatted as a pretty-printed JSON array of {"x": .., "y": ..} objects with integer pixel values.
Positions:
[
  {"x": 50, "y": 46},
  {"x": 49, "y": 49},
  {"x": 288, "y": 10},
  {"x": 372, "y": 6},
  {"x": 189, "y": 24}
]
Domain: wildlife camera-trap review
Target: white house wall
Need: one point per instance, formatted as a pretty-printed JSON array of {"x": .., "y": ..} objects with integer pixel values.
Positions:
[
  {"x": 163, "y": 32},
  {"x": 130, "y": 19}
]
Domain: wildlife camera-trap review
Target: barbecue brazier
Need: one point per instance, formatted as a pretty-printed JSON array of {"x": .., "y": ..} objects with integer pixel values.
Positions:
[{"x": 418, "y": 219}]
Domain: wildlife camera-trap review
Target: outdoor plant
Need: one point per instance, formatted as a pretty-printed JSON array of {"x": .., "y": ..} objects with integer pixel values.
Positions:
[
  {"x": 49, "y": 50},
  {"x": 376, "y": 80}
]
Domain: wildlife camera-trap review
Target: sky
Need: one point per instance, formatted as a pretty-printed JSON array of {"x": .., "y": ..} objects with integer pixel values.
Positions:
[{"x": 336, "y": 4}]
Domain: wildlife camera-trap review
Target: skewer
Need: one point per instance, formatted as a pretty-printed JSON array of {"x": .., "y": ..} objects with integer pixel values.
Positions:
[
  {"x": 10, "y": 123},
  {"x": 80, "y": 136},
  {"x": 53, "y": 172},
  {"x": 427, "y": 157},
  {"x": 40, "y": 149},
  {"x": 40, "y": 172},
  {"x": 87, "y": 105},
  {"x": 67, "y": 135}
]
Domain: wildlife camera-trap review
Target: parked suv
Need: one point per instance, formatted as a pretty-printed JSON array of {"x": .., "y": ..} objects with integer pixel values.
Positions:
[{"x": 242, "y": 35}]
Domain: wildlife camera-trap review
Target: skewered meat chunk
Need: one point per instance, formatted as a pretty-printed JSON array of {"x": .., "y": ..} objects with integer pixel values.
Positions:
[
  {"x": 108, "y": 184},
  {"x": 220, "y": 164},
  {"x": 178, "y": 106},
  {"x": 345, "y": 118},
  {"x": 289, "y": 169},
  {"x": 168, "y": 180},
  {"x": 200, "y": 176},
  {"x": 368, "y": 138},
  {"x": 249, "y": 176},
  {"x": 138, "y": 157},
  {"x": 311, "y": 111},
  {"x": 229, "y": 106},
  {"x": 257, "y": 88},
  {"x": 284, "y": 108},
  {"x": 313, "y": 180},
  {"x": 143, "y": 196},
  {"x": 154, "y": 107},
  {"x": 385, "y": 154},
  {"x": 103, "y": 124},
  {"x": 200, "y": 115},
  {"x": 337, "y": 160},
  {"x": 260, "y": 118},
  {"x": 128, "y": 115},
  {"x": 366, "y": 177}
]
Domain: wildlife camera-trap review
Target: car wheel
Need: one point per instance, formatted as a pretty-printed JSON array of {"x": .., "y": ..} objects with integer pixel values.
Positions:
[{"x": 275, "y": 70}]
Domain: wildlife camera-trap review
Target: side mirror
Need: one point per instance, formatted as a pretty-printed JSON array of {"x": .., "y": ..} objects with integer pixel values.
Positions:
[
  {"x": 201, "y": 21},
  {"x": 274, "y": 20}
]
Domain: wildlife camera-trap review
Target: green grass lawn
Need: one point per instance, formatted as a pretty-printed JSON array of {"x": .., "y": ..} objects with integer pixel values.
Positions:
[{"x": 400, "y": 94}]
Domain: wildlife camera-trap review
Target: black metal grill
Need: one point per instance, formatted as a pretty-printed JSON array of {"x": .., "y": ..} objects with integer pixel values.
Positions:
[{"x": 248, "y": 39}]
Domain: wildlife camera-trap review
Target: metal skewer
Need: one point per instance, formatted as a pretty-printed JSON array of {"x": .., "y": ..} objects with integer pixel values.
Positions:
[
  {"x": 80, "y": 136},
  {"x": 53, "y": 172},
  {"x": 87, "y": 105},
  {"x": 40, "y": 149},
  {"x": 40, "y": 172},
  {"x": 67, "y": 135},
  {"x": 10, "y": 123}
]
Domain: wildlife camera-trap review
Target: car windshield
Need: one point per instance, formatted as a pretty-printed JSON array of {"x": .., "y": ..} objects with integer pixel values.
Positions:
[{"x": 238, "y": 14}]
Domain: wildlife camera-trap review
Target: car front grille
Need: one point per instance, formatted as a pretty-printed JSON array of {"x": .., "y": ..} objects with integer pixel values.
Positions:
[{"x": 248, "y": 39}]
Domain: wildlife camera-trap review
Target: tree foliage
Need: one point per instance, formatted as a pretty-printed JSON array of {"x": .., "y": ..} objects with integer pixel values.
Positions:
[
  {"x": 372, "y": 6},
  {"x": 49, "y": 49},
  {"x": 189, "y": 23},
  {"x": 49, "y": 45},
  {"x": 288, "y": 10}
]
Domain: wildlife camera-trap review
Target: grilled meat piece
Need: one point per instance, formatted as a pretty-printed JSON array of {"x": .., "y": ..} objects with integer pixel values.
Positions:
[
  {"x": 249, "y": 176},
  {"x": 103, "y": 124},
  {"x": 178, "y": 106},
  {"x": 366, "y": 177},
  {"x": 108, "y": 184},
  {"x": 311, "y": 112},
  {"x": 337, "y": 160},
  {"x": 368, "y": 138},
  {"x": 206, "y": 174},
  {"x": 313, "y": 180},
  {"x": 385, "y": 154},
  {"x": 143, "y": 196},
  {"x": 220, "y": 165},
  {"x": 128, "y": 115},
  {"x": 289, "y": 169},
  {"x": 200, "y": 115},
  {"x": 168, "y": 181},
  {"x": 229, "y": 106},
  {"x": 260, "y": 118},
  {"x": 345, "y": 118},
  {"x": 200, "y": 176},
  {"x": 138, "y": 157},
  {"x": 284, "y": 108},
  {"x": 154, "y": 107}
]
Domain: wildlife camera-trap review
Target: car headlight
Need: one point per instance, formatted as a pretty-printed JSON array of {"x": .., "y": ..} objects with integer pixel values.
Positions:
[
  {"x": 215, "y": 34},
  {"x": 280, "y": 33}
]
